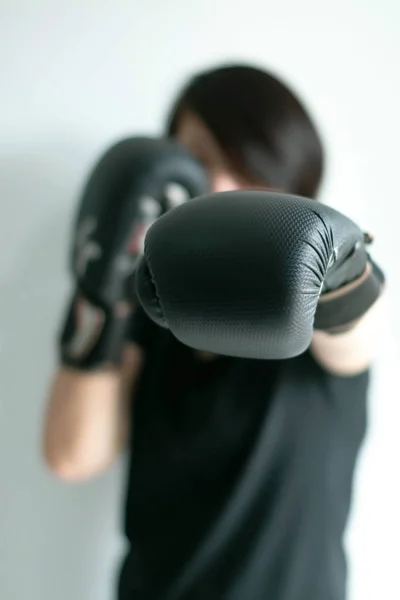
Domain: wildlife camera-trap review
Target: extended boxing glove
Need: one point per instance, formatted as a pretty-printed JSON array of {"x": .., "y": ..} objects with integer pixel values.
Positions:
[
  {"x": 251, "y": 273},
  {"x": 134, "y": 182}
]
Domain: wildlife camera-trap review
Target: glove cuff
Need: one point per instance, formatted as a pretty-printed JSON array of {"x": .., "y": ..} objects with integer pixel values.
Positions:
[{"x": 339, "y": 310}]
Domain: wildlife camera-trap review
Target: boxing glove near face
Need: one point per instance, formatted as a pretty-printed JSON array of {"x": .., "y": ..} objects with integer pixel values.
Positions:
[
  {"x": 134, "y": 182},
  {"x": 242, "y": 273}
]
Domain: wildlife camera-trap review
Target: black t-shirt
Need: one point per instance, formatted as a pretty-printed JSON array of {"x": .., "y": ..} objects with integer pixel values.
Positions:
[{"x": 240, "y": 476}]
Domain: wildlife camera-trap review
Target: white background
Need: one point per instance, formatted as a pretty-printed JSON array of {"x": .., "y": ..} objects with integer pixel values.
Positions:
[{"x": 75, "y": 76}]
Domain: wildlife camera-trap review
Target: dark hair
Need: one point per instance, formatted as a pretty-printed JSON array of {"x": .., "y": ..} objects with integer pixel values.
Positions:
[{"x": 262, "y": 128}]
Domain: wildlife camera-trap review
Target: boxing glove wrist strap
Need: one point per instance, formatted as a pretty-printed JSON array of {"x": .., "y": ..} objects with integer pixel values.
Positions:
[
  {"x": 93, "y": 337},
  {"x": 340, "y": 309}
]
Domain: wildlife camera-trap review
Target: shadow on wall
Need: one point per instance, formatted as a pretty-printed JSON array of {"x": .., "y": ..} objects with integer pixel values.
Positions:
[{"x": 56, "y": 540}]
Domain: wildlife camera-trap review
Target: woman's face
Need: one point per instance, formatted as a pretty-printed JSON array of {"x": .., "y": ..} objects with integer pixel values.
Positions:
[{"x": 200, "y": 142}]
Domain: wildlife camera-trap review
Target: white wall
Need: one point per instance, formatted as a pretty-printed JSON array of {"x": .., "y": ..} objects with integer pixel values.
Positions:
[{"x": 76, "y": 75}]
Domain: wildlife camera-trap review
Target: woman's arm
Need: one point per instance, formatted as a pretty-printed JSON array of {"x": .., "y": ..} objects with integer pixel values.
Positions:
[
  {"x": 351, "y": 352},
  {"x": 87, "y": 419}
]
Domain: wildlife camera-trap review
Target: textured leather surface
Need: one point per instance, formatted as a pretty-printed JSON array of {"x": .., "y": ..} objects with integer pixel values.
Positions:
[{"x": 240, "y": 273}]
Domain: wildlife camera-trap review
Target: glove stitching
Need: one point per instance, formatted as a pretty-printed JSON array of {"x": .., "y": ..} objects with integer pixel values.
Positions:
[{"x": 156, "y": 294}]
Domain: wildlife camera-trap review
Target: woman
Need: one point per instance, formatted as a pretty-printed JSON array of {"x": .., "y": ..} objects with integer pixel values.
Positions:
[{"x": 239, "y": 484}]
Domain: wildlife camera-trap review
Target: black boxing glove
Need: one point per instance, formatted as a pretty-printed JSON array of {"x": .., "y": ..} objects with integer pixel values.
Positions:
[
  {"x": 134, "y": 182},
  {"x": 245, "y": 273}
]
